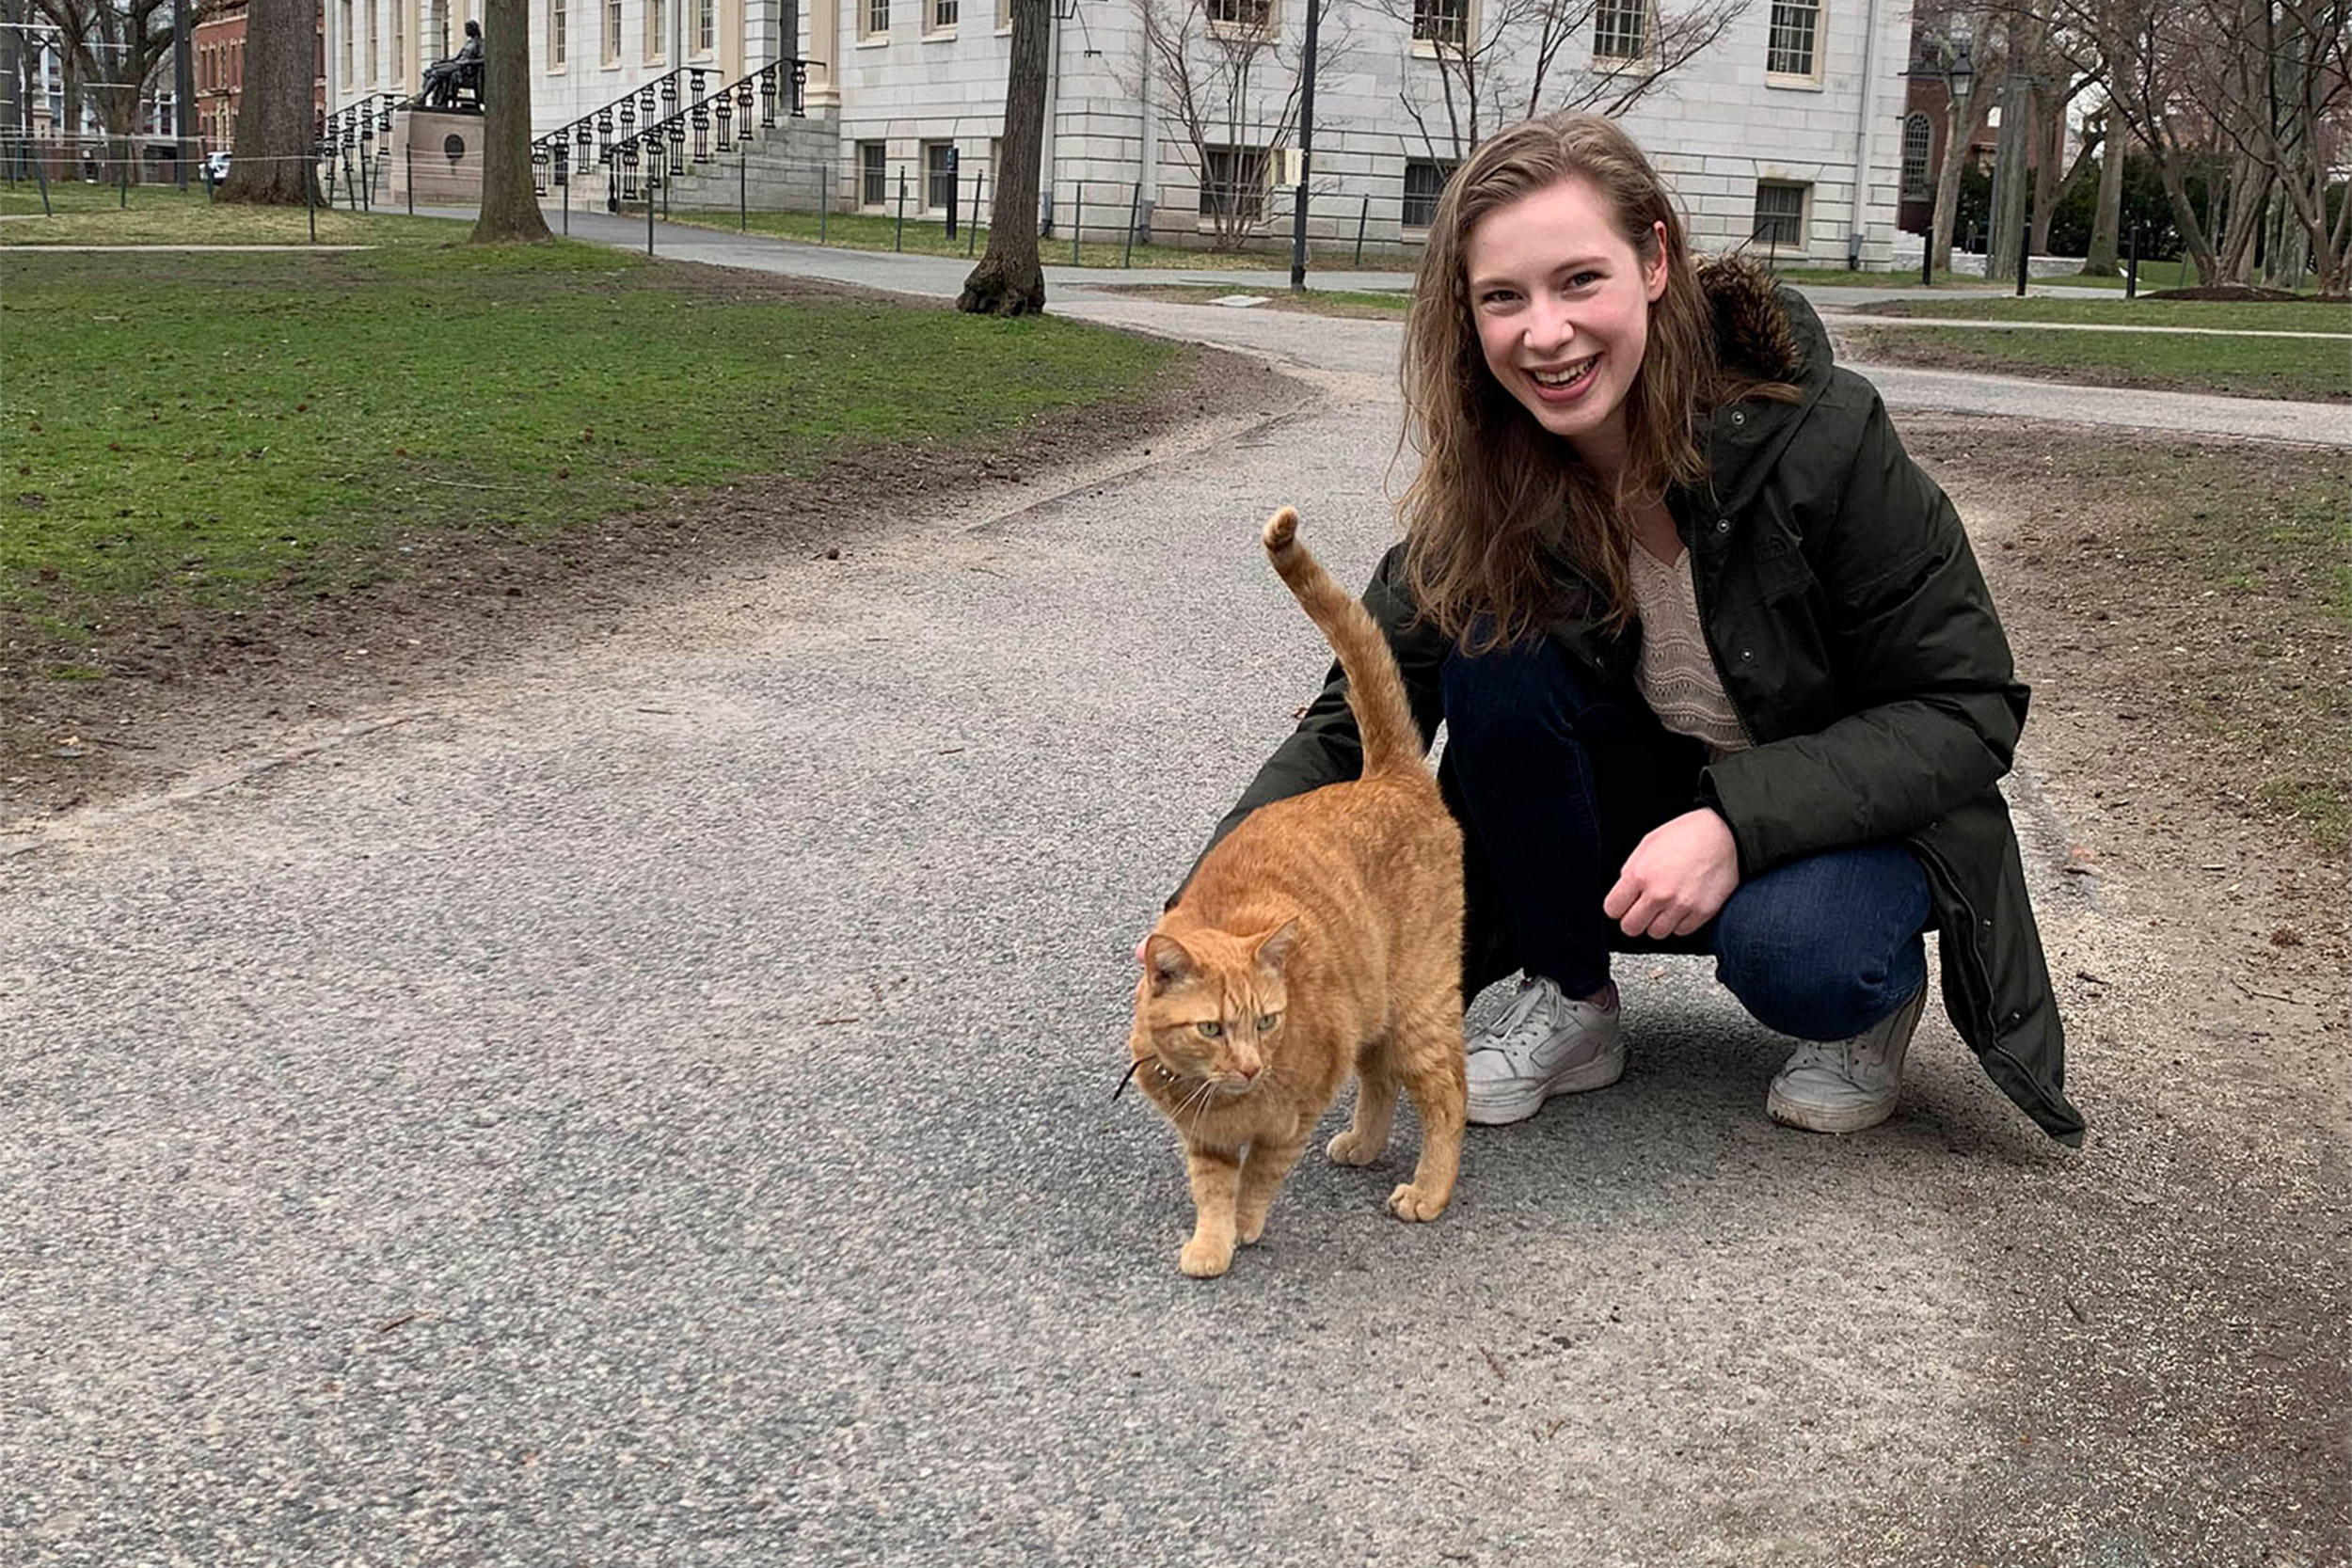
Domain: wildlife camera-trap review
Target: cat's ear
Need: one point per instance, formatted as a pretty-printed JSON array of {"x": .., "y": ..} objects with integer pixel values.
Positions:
[
  {"x": 1166, "y": 960},
  {"x": 1274, "y": 949}
]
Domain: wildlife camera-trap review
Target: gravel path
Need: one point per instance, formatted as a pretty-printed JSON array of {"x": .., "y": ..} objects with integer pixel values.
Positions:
[{"x": 653, "y": 1107}]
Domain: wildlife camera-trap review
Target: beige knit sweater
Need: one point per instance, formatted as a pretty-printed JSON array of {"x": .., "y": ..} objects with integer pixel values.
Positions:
[{"x": 1677, "y": 676}]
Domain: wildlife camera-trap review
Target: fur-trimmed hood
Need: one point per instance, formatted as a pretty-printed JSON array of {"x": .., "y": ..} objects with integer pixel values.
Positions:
[{"x": 1762, "y": 330}]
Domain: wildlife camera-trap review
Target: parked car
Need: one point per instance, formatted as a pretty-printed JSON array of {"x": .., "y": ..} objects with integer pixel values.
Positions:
[{"x": 216, "y": 168}]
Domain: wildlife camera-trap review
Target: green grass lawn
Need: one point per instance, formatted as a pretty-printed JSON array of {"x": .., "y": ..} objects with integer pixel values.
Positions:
[
  {"x": 1356, "y": 303},
  {"x": 2307, "y": 369},
  {"x": 280, "y": 423},
  {"x": 923, "y": 237},
  {"x": 159, "y": 216},
  {"x": 2278, "y": 316}
]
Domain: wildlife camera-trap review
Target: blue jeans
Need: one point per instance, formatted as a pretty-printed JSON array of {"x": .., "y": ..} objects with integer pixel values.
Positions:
[{"x": 1561, "y": 774}]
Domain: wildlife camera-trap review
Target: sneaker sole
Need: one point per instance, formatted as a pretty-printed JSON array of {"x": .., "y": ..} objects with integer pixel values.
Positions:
[
  {"x": 1818, "y": 1119},
  {"x": 1501, "y": 1108}
]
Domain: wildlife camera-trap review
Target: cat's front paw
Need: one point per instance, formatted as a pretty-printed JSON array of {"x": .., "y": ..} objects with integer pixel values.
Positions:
[
  {"x": 1205, "y": 1259},
  {"x": 1410, "y": 1202},
  {"x": 1352, "y": 1148}
]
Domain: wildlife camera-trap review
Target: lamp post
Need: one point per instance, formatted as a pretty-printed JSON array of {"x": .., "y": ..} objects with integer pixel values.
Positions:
[
  {"x": 1960, "y": 78},
  {"x": 1305, "y": 154}
]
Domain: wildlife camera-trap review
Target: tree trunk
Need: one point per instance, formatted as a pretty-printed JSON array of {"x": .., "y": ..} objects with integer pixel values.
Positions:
[
  {"x": 2047, "y": 186},
  {"x": 2107, "y": 223},
  {"x": 2184, "y": 213},
  {"x": 274, "y": 160},
  {"x": 1960, "y": 131},
  {"x": 1009, "y": 281},
  {"x": 510, "y": 204}
]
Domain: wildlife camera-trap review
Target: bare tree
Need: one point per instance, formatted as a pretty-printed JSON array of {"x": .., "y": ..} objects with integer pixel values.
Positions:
[
  {"x": 1509, "y": 60},
  {"x": 2274, "y": 80},
  {"x": 1010, "y": 281},
  {"x": 1230, "y": 78},
  {"x": 2107, "y": 223},
  {"x": 510, "y": 201},
  {"x": 108, "y": 49},
  {"x": 1945, "y": 34},
  {"x": 277, "y": 138}
]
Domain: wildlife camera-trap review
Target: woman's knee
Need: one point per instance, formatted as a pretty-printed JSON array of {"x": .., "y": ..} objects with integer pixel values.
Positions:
[{"x": 1824, "y": 948}]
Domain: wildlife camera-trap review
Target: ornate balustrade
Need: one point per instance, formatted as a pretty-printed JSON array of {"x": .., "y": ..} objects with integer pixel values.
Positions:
[
  {"x": 350, "y": 128},
  {"x": 640, "y": 148}
]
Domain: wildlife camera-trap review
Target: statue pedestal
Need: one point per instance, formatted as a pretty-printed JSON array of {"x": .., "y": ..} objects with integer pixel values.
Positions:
[{"x": 442, "y": 151}]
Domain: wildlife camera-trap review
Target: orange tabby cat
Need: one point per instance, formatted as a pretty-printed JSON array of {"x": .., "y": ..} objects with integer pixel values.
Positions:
[{"x": 1321, "y": 936}]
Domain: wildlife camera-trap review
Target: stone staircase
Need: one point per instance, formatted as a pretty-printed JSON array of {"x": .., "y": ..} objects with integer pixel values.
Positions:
[{"x": 783, "y": 169}]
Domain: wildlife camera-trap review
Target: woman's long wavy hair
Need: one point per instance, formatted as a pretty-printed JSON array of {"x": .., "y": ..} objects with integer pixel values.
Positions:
[{"x": 1497, "y": 495}]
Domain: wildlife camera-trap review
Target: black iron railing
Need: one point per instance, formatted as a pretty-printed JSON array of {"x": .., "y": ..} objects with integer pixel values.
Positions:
[
  {"x": 666, "y": 127},
  {"x": 350, "y": 128}
]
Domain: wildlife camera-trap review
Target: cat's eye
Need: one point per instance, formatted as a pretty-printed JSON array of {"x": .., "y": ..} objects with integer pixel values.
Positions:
[
  {"x": 1266, "y": 1023},
  {"x": 1210, "y": 1028}
]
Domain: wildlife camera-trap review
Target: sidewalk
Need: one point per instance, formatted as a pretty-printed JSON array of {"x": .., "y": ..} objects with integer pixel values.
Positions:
[{"x": 1370, "y": 347}]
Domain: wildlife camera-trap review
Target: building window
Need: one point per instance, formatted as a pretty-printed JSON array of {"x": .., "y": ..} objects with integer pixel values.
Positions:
[
  {"x": 350, "y": 47},
  {"x": 556, "y": 42},
  {"x": 374, "y": 64},
  {"x": 1791, "y": 50},
  {"x": 1424, "y": 182},
  {"x": 613, "y": 32},
  {"x": 1440, "y": 20},
  {"x": 1241, "y": 16},
  {"x": 876, "y": 14},
  {"x": 400, "y": 41},
  {"x": 1621, "y": 30},
  {"x": 1779, "y": 215},
  {"x": 873, "y": 174},
  {"x": 706, "y": 26},
  {"x": 657, "y": 30},
  {"x": 1233, "y": 181},
  {"x": 943, "y": 15},
  {"x": 1003, "y": 24},
  {"x": 939, "y": 175},
  {"x": 1917, "y": 139}
]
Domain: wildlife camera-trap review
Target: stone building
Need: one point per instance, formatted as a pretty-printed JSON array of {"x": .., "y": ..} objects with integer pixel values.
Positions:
[{"x": 1785, "y": 132}]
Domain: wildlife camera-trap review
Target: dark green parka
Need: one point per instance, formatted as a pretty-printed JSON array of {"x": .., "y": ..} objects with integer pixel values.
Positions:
[{"x": 1854, "y": 635}]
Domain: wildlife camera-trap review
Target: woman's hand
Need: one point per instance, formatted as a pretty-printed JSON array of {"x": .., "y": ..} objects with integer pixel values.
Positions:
[{"x": 1676, "y": 878}]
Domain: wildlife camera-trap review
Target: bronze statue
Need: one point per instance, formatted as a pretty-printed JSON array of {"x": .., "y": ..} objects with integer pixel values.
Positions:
[{"x": 443, "y": 79}]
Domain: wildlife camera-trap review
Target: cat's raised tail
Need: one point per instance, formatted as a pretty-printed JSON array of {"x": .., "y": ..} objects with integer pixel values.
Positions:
[{"x": 1375, "y": 688}]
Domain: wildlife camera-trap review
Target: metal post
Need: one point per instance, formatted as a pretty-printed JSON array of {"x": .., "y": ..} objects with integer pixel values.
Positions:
[
  {"x": 1926, "y": 257},
  {"x": 1077, "y": 219},
  {"x": 122, "y": 177},
  {"x": 1362, "y": 218},
  {"x": 972, "y": 230},
  {"x": 40, "y": 173},
  {"x": 183, "y": 85},
  {"x": 646, "y": 191},
  {"x": 410, "y": 161},
  {"x": 2025, "y": 240},
  {"x": 824, "y": 202},
  {"x": 311, "y": 198},
  {"x": 1135, "y": 215},
  {"x": 743, "y": 190},
  {"x": 2131, "y": 267},
  {"x": 954, "y": 161},
  {"x": 1306, "y": 151},
  {"x": 898, "y": 235}
]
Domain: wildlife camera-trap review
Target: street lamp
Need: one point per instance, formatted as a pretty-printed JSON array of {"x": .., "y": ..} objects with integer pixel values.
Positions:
[{"x": 1958, "y": 78}]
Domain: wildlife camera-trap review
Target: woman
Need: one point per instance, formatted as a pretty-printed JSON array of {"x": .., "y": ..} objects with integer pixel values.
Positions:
[{"x": 1718, "y": 671}]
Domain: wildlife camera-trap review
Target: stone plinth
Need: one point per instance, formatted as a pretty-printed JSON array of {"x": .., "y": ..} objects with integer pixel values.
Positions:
[{"x": 423, "y": 143}]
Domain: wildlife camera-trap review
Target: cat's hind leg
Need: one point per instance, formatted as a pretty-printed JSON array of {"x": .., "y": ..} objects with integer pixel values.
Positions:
[
  {"x": 1216, "y": 1180},
  {"x": 1261, "y": 1173},
  {"x": 1376, "y": 1083},
  {"x": 1429, "y": 1058}
]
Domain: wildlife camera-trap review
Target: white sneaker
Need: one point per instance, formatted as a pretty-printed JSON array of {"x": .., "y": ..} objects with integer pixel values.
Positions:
[
  {"x": 1544, "y": 1044},
  {"x": 1846, "y": 1086}
]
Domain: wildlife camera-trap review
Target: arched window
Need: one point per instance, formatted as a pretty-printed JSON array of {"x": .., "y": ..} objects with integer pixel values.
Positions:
[{"x": 1917, "y": 139}]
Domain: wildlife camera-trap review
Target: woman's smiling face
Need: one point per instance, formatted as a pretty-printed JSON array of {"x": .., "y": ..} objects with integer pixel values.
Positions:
[{"x": 1562, "y": 300}]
